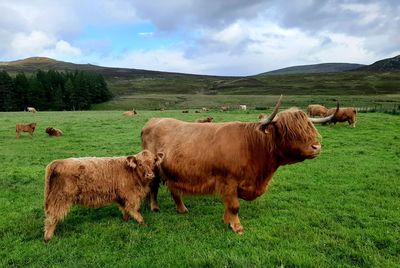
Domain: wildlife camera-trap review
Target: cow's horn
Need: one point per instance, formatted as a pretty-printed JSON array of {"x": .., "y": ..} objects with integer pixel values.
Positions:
[
  {"x": 327, "y": 118},
  {"x": 274, "y": 112}
]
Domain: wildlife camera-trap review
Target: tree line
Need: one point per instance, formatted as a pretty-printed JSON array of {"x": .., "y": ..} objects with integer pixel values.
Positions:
[{"x": 52, "y": 90}]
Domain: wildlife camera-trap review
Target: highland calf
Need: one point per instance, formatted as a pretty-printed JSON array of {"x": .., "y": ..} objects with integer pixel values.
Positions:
[
  {"x": 55, "y": 132},
  {"x": 30, "y": 128},
  {"x": 94, "y": 182},
  {"x": 234, "y": 160}
]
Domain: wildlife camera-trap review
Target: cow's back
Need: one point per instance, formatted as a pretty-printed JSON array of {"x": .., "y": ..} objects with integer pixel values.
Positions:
[{"x": 199, "y": 155}]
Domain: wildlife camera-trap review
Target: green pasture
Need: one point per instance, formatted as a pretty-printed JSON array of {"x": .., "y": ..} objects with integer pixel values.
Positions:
[
  {"x": 383, "y": 103},
  {"x": 341, "y": 209}
]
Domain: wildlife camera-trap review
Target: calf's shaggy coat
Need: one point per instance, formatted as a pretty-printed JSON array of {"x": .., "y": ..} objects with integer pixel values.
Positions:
[
  {"x": 30, "y": 128},
  {"x": 94, "y": 182},
  {"x": 54, "y": 132}
]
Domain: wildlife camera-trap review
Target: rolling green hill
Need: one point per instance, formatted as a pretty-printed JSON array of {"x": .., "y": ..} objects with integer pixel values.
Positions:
[
  {"x": 316, "y": 68},
  {"x": 385, "y": 65},
  {"x": 315, "y": 80}
]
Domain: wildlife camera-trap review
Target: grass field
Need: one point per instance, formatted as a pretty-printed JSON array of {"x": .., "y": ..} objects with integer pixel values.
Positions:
[
  {"x": 382, "y": 103},
  {"x": 341, "y": 209}
]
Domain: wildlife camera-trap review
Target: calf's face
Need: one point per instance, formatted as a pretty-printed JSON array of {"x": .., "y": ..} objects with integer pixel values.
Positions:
[{"x": 144, "y": 163}]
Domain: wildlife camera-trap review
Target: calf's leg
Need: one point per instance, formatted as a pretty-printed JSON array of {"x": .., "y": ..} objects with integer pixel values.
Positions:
[{"x": 133, "y": 208}]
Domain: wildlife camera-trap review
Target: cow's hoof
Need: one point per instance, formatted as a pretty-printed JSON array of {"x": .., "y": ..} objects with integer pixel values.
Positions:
[
  {"x": 155, "y": 209},
  {"x": 237, "y": 228},
  {"x": 182, "y": 210}
]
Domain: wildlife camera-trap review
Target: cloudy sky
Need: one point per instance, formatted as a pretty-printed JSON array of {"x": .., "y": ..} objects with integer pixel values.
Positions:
[{"x": 220, "y": 37}]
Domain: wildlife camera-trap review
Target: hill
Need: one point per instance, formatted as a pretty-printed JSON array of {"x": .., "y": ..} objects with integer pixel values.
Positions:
[
  {"x": 385, "y": 65},
  {"x": 32, "y": 64},
  {"x": 318, "y": 79},
  {"x": 315, "y": 68}
]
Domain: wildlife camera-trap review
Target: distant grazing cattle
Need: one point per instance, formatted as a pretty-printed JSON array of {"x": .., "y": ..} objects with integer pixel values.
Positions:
[
  {"x": 30, "y": 128},
  {"x": 343, "y": 115},
  {"x": 31, "y": 109},
  {"x": 94, "y": 182},
  {"x": 224, "y": 108},
  {"x": 261, "y": 116},
  {"x": 197, "y": 111},
  {"x": 243, "y": 107},
  {"x": 234, "y": 160},
  {"x": 129, "y": 113},
  {"x": 316, "y": 110},
  {"x": 205, "y": 120},
  {"x": 54, "y": 131},
  {"x": 204, "y": 109},
  {"x": 185, "y": 111}
]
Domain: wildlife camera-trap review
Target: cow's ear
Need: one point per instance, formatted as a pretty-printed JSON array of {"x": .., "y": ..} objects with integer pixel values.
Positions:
[
  {"x": 159, "y": 158},
  {"x": 131, "y": 161},
  {"x": 267, "y": 128}
]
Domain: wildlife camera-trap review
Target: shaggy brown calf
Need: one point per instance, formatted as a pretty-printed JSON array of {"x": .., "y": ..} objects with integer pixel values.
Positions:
[
  {"x": 205, "y": 120},
  {"x": 344, "y": 115},
  {"x": 317, "y": 110},
  {"x": 54, "y": 132},
  {"x": 30, "y": 128},
  {"x": 94, "y": 182}
]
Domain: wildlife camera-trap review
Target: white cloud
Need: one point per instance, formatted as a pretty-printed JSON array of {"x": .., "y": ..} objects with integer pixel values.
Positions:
[
  {"x": 209, "y": 37},
  {"x": 38, "y": 43}
]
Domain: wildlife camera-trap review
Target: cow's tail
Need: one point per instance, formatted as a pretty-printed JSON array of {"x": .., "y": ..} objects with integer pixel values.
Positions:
[{"x": 49, "y": 177}]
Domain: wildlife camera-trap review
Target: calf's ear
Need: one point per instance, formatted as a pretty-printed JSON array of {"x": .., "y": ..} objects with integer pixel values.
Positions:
[
  {"x": 131, "y": 161},
  {"x": 159, "y": 158}
]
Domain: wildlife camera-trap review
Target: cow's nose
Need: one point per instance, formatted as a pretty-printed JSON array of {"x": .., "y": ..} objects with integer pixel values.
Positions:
[
  {"x": 150, "y": 176},
  {"x": 316, "y": 147}
]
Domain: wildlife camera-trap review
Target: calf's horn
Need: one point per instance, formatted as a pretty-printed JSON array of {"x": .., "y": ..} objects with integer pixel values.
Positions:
[
  {"x": 265, "y": 122},
  {"x": 327, "y": 118}
]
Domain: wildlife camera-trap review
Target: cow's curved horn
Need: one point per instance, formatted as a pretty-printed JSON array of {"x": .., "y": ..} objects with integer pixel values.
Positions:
[
  {"x": 327, "y": 118},
  {"x": 274, "y": 112}
]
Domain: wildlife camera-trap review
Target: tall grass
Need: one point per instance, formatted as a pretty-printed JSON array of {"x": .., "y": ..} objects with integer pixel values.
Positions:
[{"x": 341, "y": 209}]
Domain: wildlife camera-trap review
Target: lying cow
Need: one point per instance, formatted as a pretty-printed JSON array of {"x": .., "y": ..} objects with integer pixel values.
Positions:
[
  {"x": 343, "y": 115},
  {"x": 129, "y": 113},
  {"x": 55, "y": 132},
  {"x": 316, "y": 110},
  {"x": 234, "y": 160},
  {"x": 205, "y": 120},
  {"x": 30, "y": 128},
  {"x": 93, "y": 182}
]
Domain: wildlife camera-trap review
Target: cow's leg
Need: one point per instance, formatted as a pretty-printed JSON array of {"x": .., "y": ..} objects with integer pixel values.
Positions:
[
  {"x": 50, "y": 224},
  {"x": 153, "y": 194},
  {"x": 180, "y": 206},
  {"x": 231, "y": 216},
  {"x": 54, "y": 212},
  {"x": 133, "y": 208},
  {"x": 125, "y": 214},
  {"x": 17, "y": 134}
]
